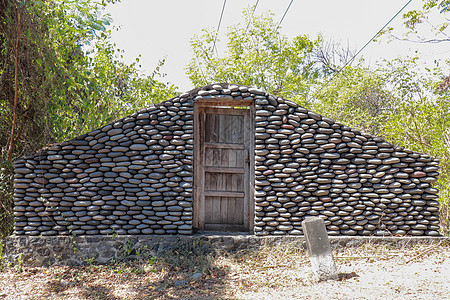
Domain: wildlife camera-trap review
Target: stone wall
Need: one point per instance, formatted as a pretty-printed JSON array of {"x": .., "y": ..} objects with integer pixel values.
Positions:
[
  {"x": 135, "y": 176},
  {"x": 83, "y": 250}
]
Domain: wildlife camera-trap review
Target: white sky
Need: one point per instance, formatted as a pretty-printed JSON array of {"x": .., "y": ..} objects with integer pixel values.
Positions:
[{"x": 157, "y": 29}]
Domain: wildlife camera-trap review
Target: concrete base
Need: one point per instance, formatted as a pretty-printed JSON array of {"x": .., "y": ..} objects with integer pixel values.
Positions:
[{"x": 82, "y": 250}]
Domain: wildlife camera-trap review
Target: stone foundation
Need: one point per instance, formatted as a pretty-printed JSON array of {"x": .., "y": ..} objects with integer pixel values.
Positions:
[{"x": 83, "y": 250}]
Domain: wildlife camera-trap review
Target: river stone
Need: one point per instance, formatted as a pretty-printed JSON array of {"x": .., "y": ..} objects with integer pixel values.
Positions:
[
  {"x": 135, "y": 176},
  {"x": 418, "y": 174},
  {"x": 391, "y": 160},
  {"x": 139, "y": 147}
]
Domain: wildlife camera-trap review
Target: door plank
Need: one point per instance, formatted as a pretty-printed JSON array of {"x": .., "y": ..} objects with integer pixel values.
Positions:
[
  {"x": 199, "y": 199},
  {"x": 216, "y": 157},
  {"x": 224, "y": 227},
  {"x": 239, "y": 206},
  {"x": 208, "y": 207},
  {"x": 232, "y": 158},
  {"x": 224, "y": 145},
  {"x": 231, "y": 170},
  {"x": 213, "y": 193},
  {"x": 224, "y": 156},
  {"x": 216, "y": 211},
  {"x": 209, "y": 153},
  {"x": 224, "y": 211}
]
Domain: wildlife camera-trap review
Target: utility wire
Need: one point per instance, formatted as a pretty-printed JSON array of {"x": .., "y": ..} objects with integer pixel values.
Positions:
[
  {"x": 250, "y": 19},
  {"x": 284, "y": 15},
  {"x": 281, "y": 21},
  {"x": 200, "y": 66},
  {"x": 218, "y": 26},
  {"x": 360, "y": 50}
]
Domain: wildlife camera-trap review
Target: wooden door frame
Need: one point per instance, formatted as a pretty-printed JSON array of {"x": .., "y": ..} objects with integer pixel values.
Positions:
[{"x": 198, "y": 204}]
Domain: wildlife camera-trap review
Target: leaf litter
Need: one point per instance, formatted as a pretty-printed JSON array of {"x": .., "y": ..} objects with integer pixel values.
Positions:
[{"x": 283, "y": 271}]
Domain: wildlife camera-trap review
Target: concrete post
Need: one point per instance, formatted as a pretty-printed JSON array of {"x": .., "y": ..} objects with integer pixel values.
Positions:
[{"x": 319, "y": 249}]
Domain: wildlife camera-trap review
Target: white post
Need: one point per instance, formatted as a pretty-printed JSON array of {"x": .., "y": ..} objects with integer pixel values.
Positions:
[{"x": 319, "y": 249}]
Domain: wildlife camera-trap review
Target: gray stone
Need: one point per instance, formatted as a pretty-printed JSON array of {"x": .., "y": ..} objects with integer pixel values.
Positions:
[
  {"x": 391, "y": 160},
  {"x": 82, "y": 203},
  {"x": 196, "y": 276},
  {"x": 139, "y": 147}
]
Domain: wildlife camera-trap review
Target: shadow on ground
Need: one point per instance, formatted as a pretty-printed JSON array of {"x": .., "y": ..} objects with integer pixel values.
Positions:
[{"x": 180, "y": 272}]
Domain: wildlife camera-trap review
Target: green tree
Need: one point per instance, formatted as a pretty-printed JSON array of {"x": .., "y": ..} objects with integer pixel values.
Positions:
[
  {"x": 420, "y": 119},
  {"x": 429, "y": 24},
  {"x": 60, "y": 76},
  {"x": 356, "y": 97},
  {"x": 258, "y": 55},
  {"x": 420, "y": 116}
]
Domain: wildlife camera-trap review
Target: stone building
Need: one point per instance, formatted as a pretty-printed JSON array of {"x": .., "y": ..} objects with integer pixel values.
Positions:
[{"x": 225, "y": 158}]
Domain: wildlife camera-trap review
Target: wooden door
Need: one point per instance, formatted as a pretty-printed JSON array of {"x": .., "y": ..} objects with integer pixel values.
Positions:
[{"x": 224, "y": 154}]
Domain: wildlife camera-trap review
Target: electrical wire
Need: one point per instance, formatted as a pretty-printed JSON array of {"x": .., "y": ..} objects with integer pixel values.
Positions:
[
  {"x": 250, "y": 19},
  {"x": 281, "y": 21},
  {"x": 218, "y": 26},
  {"x": 360, "y": 50},
  {"x": 200, "y": 66},
  {"x": 284, "y": 15}
]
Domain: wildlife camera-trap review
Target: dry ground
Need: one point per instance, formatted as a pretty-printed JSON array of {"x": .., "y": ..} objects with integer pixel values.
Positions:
[{"x": 282, "y": 272}]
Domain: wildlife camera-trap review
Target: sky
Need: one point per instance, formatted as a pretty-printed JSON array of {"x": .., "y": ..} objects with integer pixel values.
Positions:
[{"x": 157, "y": 29}]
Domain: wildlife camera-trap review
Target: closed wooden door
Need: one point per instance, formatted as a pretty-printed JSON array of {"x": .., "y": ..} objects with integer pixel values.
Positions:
[{"x": 224, "y": 154}]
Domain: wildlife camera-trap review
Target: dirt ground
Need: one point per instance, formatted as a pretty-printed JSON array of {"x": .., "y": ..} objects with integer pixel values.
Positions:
[{"x": 279, "y": 272}]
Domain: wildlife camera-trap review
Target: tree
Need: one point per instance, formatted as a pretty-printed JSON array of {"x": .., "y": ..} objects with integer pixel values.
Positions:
[
  {"x": 332, "y": 56},
  {"x": 60, "y": 76},
  {"x": 257, "y": 55},
  {"x": 420, "y": 118},
  {"x": 301, "y": 69},
  {"x": 420, "y": 28},
  {"x": 71, "y": 77},
  {"x": 357, "y": 97}
]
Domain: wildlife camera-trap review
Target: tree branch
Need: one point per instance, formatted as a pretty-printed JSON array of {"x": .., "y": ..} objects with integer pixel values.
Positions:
[
  {"x": 430, "y": 41},
  {"x": 16, "y": 90}
]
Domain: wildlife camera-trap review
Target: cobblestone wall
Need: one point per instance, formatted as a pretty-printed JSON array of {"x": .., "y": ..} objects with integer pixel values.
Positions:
[{"x": 135, "y": 176}]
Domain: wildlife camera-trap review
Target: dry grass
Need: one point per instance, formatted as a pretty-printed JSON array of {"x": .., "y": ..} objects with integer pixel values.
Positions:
[{"x": 276, "y": 272}]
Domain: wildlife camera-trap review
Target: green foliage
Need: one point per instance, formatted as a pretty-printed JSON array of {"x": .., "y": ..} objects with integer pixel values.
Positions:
[
  {"x": 3, "y": 262},
  {"x": 426, "y": 25},
  {"x": 77, "y": 79},
  {"x": 419, "y": 119},
  {"x": 356, "y": 97},
  {"x": 257, "y": 55},
  {"x": 6, "y": 197},
  {"x": 61, "y": 76},
  {"x": 94, "y": 86}
]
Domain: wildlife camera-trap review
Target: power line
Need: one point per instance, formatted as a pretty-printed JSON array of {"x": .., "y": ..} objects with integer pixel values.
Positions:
[
  {"x": 360, "y": 50},
  {"x": 250, "y": 19},
  {"x": 218, "y": 26},
  {"x": 199, "y": 63},
  {"x": 284, "y": 15},
  {"x": 281, "y": 21}
]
